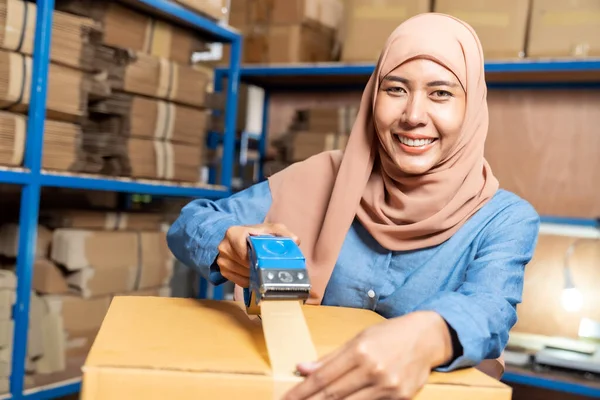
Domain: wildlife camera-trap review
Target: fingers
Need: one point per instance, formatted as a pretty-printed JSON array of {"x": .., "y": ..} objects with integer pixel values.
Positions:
[
  {"x": 323, "y": 376},
  {"x": 353, "y": 382},
  {"x": 369, "y": 393},
  {"x": 239, "y": 280},
  {"x": 239, "y": 242},
  {"x": 274, "y": 229},
  {"x": 227, "y": 264},
  {"x": 233, "y": 249}
]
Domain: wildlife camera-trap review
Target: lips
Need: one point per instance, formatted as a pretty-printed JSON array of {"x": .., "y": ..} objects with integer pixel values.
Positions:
[{"x": 415, "y": 144}]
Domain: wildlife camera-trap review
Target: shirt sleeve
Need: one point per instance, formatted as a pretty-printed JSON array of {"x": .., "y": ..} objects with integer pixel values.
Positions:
[
  {"x": 483, "y": 309},
  {"x": 201, "y": 226}
]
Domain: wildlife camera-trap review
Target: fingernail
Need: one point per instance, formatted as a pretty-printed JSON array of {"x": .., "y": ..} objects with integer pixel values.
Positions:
[{"x": 308, "y": 366}]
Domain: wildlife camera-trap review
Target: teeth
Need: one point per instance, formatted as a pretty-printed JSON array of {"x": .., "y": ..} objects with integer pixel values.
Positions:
[{"x": 414, "y": 143}]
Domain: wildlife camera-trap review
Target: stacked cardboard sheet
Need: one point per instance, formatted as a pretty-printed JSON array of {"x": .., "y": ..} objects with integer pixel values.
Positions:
[
  {"x": 127, "y": 28},
  {"x": 147, "y": 118},
  {"x": 160, "y": 78},
  {"x": 73, "y": 38},
  {"x": 66, "y": 148}
]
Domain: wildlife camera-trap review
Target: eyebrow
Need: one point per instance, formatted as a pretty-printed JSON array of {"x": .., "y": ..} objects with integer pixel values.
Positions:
[{"x": 430, "y": 84}]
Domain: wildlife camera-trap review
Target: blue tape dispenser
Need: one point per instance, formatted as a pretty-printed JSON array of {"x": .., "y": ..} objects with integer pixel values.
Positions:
[{"x": 277, "y": 272}]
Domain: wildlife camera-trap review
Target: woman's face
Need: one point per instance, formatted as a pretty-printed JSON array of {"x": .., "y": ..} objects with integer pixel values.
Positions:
[{"x": 419, "y": 112}]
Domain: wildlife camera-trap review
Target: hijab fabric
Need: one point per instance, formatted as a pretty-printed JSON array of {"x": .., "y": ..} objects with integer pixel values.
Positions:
[{"x": 318, "y": 199}]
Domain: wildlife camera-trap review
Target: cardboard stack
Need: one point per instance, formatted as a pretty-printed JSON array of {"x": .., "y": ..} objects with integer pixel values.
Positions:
[
  {"x": 72, "y": 83},
  {"x": 82, "y": 260},
  {"x": 287, "y": 31},
  {"x": 157, "y": 113},
  {"x": 316, "y": 130}
]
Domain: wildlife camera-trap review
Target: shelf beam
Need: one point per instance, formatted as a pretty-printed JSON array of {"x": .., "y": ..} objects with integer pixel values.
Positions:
[
  {"x": 127, "y": 185},
  {"x": 175, "y": 12},
  {"x": 14, "y": 176},
  {"x": 59, "y": 389},
  {"x": 539, "y": 381}
]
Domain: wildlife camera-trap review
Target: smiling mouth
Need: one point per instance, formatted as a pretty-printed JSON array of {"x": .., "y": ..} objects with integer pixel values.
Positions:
[{"x": 414, "y": 142}]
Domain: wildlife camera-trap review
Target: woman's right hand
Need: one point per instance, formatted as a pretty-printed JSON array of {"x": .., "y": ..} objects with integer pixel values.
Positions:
[{"x": 233, "y": 250}]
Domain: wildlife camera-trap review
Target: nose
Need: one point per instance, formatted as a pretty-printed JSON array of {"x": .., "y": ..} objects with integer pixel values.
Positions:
[{"x": 415, "y": 113}]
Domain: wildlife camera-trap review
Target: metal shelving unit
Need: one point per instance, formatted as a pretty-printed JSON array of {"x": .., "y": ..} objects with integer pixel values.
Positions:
[
  {"x": 32, "y": 178},
  {"x": 514, "y": 74}
]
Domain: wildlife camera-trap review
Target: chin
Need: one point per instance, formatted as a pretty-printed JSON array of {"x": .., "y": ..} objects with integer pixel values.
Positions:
[{"x": 413, "y": 169}]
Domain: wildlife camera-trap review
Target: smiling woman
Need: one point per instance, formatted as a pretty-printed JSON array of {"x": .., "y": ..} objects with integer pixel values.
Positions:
[{"x": 408, "y": 221}]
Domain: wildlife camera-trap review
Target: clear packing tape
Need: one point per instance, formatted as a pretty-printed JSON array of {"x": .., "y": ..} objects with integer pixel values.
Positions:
[{"x": 288, "y": 342}]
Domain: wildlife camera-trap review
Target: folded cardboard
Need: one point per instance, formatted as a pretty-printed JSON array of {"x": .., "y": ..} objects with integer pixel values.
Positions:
[
  {"x": 48, "y": 278},
  {"x": 501, "y": 26},
  {"x": 153, "y": 268},
  {"x": 561, "y": 28},
  {"x": 9, "y": 240},
  {"x": 179, "y": 348},
  {"x": 84, "y": 219}
]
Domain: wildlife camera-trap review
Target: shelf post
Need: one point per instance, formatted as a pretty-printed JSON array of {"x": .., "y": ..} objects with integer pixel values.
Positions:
[
  {"x": 262, "y": 145},
  {"x": 30, "y": 194},
  {"x": 233, "y": 80}
]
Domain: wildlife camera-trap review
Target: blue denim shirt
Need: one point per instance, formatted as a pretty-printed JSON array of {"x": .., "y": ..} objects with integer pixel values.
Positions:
[{"x": 474, "y": 280}]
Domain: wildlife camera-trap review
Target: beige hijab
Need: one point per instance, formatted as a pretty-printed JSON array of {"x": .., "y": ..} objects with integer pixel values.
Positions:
[{"x": 318, "y": 199}]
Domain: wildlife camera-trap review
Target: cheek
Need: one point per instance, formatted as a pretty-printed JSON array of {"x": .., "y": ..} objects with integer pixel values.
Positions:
[
  {"x": 386, "y": 113},
  {"x": 448, "y": 120}
]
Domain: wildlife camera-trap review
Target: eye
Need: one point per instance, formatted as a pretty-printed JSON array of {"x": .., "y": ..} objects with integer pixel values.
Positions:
[
  {"x": 395, "y": 90},
  {"x": 442, "y": 94}
]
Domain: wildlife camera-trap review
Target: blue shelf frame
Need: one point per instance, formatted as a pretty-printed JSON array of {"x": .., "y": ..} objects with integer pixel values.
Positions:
[
  {"x": 516, "y": 74},
  {"x": 556, "y": 385},
  {"x": 32, "y": 178}
]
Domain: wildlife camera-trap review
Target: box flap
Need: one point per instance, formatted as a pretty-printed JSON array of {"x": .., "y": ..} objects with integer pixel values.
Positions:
[{"x": 174, "y": 334}]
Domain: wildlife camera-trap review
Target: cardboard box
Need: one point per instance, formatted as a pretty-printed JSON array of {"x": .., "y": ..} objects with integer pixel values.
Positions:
[
  {"x": 245, "y": 13},
  {"x": 564, "y": 29},
  {"x": 501, "y": 26},
  {"x": 299, "y": 44},
  {"x": 180, "y": 348},
  {"x": 215, "y": 9},
  {"x": 48, "y": 278},
  {"x": 291, "y": 12},
  {"x": 152, "y": 267},
  {"x": 307, "y": 144},
  {"x": 368, "y": 24}
]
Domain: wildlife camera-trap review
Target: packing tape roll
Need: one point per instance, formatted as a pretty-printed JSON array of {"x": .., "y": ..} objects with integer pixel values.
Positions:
[
  {"x": 288, "y": 342},
  {"x": 19, "y": 140}
]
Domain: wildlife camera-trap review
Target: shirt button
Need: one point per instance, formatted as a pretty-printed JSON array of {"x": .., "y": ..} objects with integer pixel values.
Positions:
[{"x": 371, "y": 293}]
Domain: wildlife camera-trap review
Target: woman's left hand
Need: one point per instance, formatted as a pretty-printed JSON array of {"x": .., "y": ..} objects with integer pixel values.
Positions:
[{"x": 391, "y": 360}]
